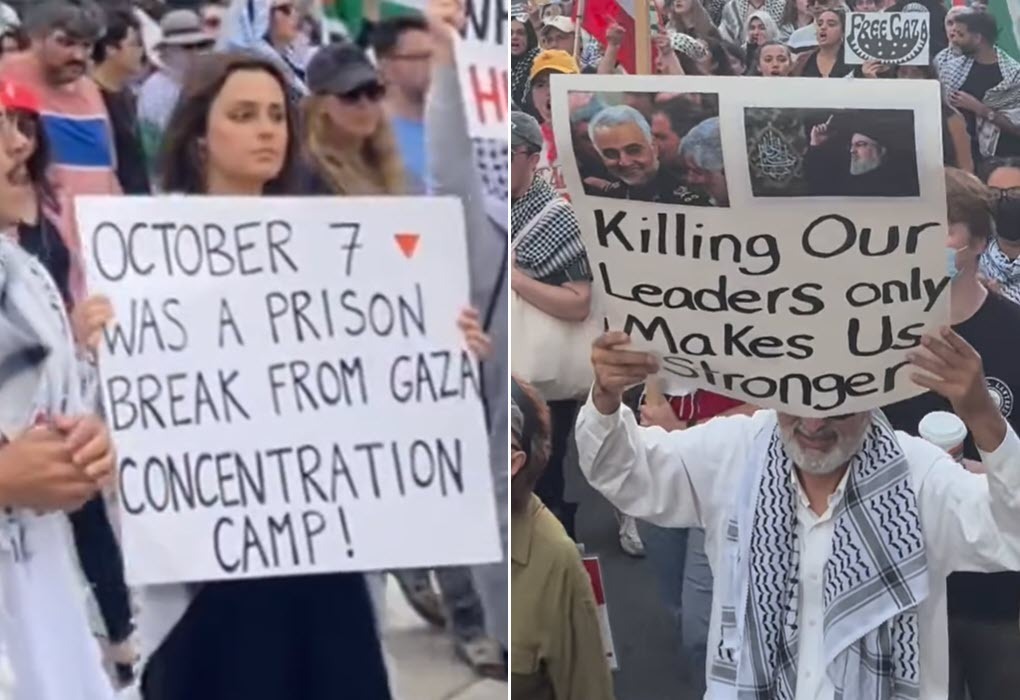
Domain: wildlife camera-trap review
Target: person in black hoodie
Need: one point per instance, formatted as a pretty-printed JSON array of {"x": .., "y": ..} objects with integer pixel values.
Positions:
[{"x": 984, "y": 639}]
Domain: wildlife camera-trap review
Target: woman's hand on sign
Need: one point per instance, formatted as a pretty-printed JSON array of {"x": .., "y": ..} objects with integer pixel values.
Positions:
[
  {"x": 87, "y": 439},
  {"x": 873, "y": 68},
  {"x": 88, "y": 318},
  {"x": 820, "y": 132},
  {"x": 953, "y": 369},
  {"x": 478, "y": 341},
  {"x": 616, "y": 369}
]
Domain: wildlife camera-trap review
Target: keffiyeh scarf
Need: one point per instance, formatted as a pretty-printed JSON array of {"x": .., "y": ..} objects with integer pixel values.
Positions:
[
  {"x": 554, "y": 243},
  {"x": 38, "y": 369},
  {"x": 953, "y": 69},
  {"x": 873, "y": 581},
  {"x": 996, "y": 266},
  {"x": 520, "y": 74},
  {"x": 687, "y": 45}
]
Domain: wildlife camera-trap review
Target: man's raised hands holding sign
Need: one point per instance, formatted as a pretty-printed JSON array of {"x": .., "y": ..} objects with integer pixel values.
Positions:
[{"x": 807, "y": 488}]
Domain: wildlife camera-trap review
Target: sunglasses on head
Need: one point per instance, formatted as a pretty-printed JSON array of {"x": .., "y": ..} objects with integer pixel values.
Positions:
[{"x": 372, "y": 91}]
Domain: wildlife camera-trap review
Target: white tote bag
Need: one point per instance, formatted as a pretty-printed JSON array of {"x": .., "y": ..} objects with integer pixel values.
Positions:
[{"x": 551, "y": 354}]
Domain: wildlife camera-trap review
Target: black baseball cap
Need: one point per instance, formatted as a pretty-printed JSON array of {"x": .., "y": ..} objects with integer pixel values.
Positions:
[{"x": 339, "y": 69}]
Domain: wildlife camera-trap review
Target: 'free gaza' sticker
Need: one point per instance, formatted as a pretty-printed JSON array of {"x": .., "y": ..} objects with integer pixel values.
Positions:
[{"x": 889, "y": 37}]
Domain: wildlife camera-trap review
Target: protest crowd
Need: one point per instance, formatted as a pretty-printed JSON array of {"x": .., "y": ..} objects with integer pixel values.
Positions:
[
  {"x": 797, "y": 550},
  {"x": 179, "y": 102}
]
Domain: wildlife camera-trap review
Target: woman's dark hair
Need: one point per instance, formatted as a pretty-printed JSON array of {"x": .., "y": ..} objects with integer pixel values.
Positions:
[
  {"x": 181, "y": 161},
  {"x": 38, "y": 164},
  {"x": 840, "y": 14},
  {"x": 44, "y": 240},
  {"x": 720, "y": 57},
  {"x": 789, "y": 15},
  {"x": 529, "y": 32},
  {"x": 735, "y": 51},
  {"x": 690, "y": 66}
]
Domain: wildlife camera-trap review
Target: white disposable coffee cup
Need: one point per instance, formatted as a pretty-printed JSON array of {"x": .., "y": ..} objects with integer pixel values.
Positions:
[{"x": 945, "y": 430}]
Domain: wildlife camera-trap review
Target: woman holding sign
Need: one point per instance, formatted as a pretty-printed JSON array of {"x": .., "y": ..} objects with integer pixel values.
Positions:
[{"x": 310, "y": 637}]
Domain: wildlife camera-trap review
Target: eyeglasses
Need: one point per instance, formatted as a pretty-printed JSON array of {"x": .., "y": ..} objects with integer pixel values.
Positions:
[
  {"x": 1006, "y": 193},
  {"x": 373, "y": 92}
]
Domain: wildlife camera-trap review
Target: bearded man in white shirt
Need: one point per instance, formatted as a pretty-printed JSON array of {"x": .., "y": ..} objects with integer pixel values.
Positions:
[{"x": 830, "y": 538}]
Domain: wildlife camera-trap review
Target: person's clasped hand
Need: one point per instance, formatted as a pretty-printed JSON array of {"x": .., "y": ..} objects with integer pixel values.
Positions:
[
  {"x": 58, "y": 466},
  {"x": 617, "y": 369}
]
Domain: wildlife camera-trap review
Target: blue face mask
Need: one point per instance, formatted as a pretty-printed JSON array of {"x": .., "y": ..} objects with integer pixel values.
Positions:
[{"x": 952, "y": 271}]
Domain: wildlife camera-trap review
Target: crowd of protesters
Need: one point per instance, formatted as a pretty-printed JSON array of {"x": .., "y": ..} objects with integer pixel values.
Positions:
[
  {"x": 246, "y": 98},
  {"x": 673, "y": 461}
]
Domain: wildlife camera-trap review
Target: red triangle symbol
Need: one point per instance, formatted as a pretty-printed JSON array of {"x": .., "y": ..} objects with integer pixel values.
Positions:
[{"x": 408, "y": 243}]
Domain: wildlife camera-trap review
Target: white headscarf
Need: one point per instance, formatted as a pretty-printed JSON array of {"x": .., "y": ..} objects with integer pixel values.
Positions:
[
  {"x": 771, "y": 26},
  {"x": 246, "y": 28}
]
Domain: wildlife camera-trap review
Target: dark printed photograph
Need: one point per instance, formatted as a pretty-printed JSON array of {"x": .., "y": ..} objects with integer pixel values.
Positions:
[
  {"x": 831, "y": 152},
  {"x": 650, "y": 147}
]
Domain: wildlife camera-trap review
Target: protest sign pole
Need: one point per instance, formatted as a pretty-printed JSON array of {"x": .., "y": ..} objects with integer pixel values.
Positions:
[
  {"x": 642, "y": 38},
  {"x": 578, "y": 21}
]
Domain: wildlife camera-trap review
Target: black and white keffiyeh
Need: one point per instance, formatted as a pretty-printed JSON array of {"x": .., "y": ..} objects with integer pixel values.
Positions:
[
  {"x": 996, "y": 266},
  {"x": 873, "y": 581},
  {"x": 953, "y": 69},
  {"x": 553, "y": 244}
]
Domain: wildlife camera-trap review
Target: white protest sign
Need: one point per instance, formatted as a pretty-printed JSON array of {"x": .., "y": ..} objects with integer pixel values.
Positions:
[
  {"x": 482, "y": 68},
  {"x": 789, "y": 252},
  {"x": 287, "y": 386},
  {"x": 895, "y": 38}
]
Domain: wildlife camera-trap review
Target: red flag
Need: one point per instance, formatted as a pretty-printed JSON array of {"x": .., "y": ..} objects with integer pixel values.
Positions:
[{"x": 600, "y": 15}]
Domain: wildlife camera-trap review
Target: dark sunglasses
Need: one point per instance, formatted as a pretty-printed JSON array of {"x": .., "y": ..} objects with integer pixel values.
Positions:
[{"x": 373, "y": 92}]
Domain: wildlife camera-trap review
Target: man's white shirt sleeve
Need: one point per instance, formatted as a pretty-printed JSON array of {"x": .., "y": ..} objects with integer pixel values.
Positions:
[{"x": 671, "y": 479}]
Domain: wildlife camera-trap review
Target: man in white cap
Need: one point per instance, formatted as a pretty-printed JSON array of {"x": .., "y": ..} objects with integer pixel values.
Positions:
[{"x": 184, "y": 37}]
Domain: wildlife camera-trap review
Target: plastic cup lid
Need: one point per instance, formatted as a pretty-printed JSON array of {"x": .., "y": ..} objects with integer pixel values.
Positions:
[{"x": 943, "y": 428}]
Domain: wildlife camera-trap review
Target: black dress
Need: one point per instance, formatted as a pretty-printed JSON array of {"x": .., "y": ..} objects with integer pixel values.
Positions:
[{"x": 299, "y": 638}]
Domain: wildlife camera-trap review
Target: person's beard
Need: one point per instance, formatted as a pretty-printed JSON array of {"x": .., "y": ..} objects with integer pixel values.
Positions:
[
  {"x": 845, "y": 447},
  {"x": 862, "y": 166}
]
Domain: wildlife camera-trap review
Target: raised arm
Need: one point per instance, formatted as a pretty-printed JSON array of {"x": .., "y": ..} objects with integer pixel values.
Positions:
[
  {"x": 972, "y": 521},
  {"x": 667, "y": 478},
  {"x": 450, "y": 156}
]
